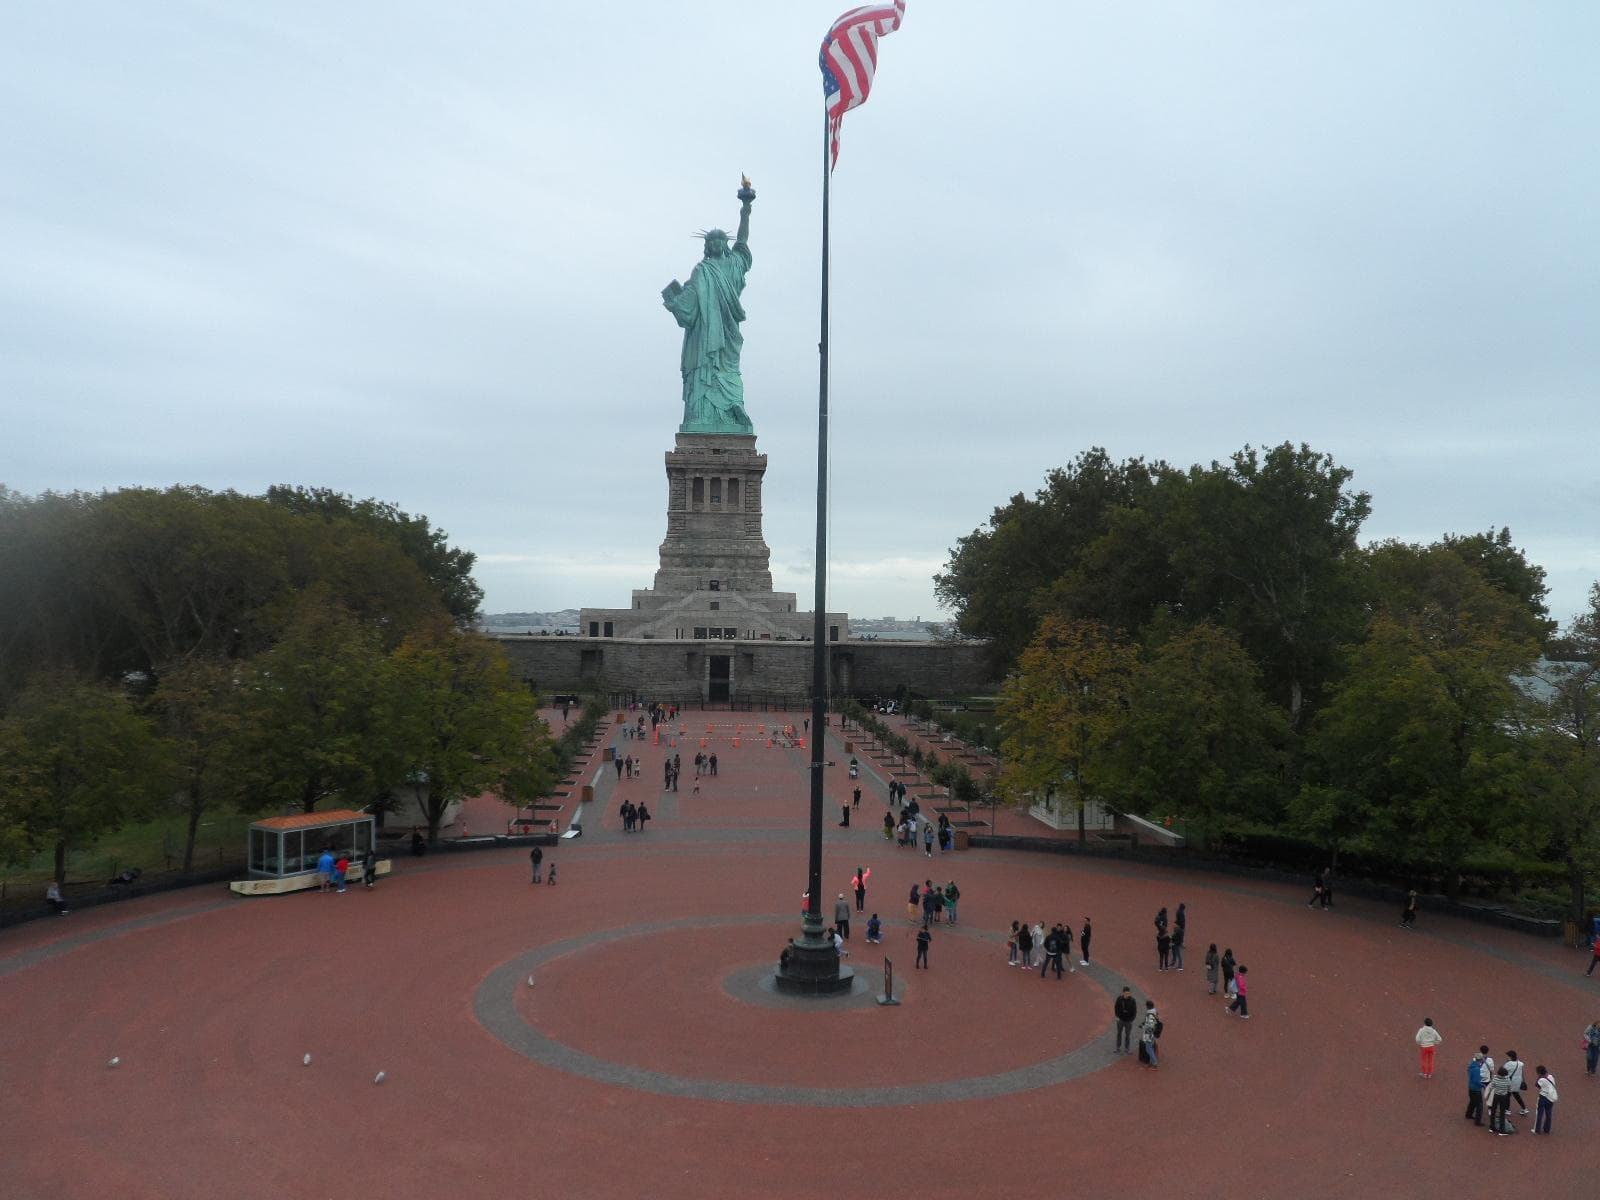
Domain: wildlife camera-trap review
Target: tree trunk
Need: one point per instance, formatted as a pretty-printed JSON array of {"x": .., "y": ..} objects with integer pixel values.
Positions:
[
  {"x": 1575, "y": 882},
  {"x": 196, "y": 804},
  {"x": 61, "y": 862},
  {"x": 1083, "y": 832}
]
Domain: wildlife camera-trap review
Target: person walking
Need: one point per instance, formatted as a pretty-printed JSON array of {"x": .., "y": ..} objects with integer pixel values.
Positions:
[
  {"x": 1316, "y": 890},
  {"x": 1547, "y": 1100},
  {"x": 914, "y": 902},
  {"x": 1211, "y": 969},
  {"x": 1241, "y": 987},
  {"x": 951, "y": 895},
  {"x": 1500, "y": 1102},
  {"x": 1227, "y": 973},
  {"x": 1126, "y": 1010},
  {"x": 924, "y": 936},
  {"x": 855, "y": 798},
  {"x": 1519, "y": 1081},
  {"x": 888, "y": 826},
  {"x": 341, "y": 871},
  {"x": 1595, "y": 961},
  {"x": 1052, "y": 953},
  {"x": 369, "y": 868},
  {"x": 1177, "y": 942},
  {"x": 927, "y": 840},
  {"x": 1475, "y": 1081},
  {"x": 1408, "y": 914},
  {"x": 641, "y": 814},
  {"x": 859, "y": 884},
  {"x": 536, "y": 860},
  {"x": 1591, "y": 1045},
  {"x": 1083, "y": 944},
  {"x": 841, "y": 916},
  {"x": 1163, "y": 947},
  {"x": 1149, "y": 1035},
  {"x": 1428, "y": 1039}
]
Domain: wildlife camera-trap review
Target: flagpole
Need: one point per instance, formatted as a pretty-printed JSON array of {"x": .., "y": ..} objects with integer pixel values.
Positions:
[
  {"x": 811, "y": 964},
  {"x": 819, "y": 649}
]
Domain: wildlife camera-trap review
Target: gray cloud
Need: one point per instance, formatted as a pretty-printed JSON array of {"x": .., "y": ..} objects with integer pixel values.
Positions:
[{"x": 417, "y": 255}]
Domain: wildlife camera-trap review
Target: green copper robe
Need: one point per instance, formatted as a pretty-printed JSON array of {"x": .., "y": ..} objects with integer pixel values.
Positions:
[{"x": 709, "y": 311}]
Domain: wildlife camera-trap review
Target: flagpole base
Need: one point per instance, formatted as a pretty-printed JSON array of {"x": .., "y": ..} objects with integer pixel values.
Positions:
[{"x": 813, "y": 967}]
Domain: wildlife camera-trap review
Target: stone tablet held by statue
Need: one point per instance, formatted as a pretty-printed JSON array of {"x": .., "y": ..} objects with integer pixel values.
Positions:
[{"x": 709, "y": 312}]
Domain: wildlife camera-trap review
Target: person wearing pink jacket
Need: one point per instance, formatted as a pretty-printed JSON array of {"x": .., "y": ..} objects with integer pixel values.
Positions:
[
  {"x": 858, "y": 883},
  {"x": 1241, "y": 1002}
]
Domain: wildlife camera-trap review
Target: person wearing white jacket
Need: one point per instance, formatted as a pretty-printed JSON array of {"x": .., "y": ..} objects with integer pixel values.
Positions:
[
  {"x": 1547, "y": 1101},
  {"x": 1428, "y": 1038}
]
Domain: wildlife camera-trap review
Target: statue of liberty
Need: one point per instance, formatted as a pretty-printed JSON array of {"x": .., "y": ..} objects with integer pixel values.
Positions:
[{"x": 708, "y": 309}]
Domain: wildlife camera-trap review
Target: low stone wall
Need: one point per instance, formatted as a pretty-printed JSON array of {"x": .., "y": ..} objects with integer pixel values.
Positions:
[
  {"x": 760, "y": 670},
  {"x": 1186, "y": 861}
]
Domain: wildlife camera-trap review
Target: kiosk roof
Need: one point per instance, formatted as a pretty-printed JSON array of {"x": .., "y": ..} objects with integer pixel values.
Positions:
[{"x": 315, "y": 820}]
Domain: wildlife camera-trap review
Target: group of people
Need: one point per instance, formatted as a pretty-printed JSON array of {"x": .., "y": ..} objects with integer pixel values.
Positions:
[
  {"x": 934, "y": 902},
  {"x": 634, "y": 816},
  {"x": 333, "y": 870},
  {"x": 1495, "y": 1088},
  {"x": 1030, "y": 946}
]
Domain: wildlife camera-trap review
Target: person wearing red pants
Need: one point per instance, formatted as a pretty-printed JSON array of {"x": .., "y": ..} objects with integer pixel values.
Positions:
[{"x": 1428, "y": 1038}]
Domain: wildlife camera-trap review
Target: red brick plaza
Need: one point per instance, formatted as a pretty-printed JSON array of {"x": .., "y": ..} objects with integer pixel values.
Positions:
[{"x": 646, "y": 1060}]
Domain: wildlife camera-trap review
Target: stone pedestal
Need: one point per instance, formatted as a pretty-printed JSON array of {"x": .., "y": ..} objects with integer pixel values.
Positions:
[
  {"x": 714, "y": 534},
  {"x": 813, "y": 968}
]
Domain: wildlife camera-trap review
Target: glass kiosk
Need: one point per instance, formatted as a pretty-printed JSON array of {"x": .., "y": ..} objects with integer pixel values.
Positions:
[{"x": 283, "y": 851}]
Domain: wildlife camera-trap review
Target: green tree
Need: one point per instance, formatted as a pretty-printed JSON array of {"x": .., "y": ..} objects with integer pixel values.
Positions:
[
  {"x": 447, "y": 568},
  {"x": 317, "y": 714},
  {"x": 1266, "y": 546},
  {"x": 76, "y": 762},
  {"x": 467, "y": 725},
  {"x": 1559, "y": 728},
  {"x": 1506, "y": 568},
  {"x": 199, "y": 706},
  {"x": 1062, "y": 707},
  {"x": 1200, "y": 740},
  {"x": 998, "y": 576},
  {"x": 1414, "y": 751}
]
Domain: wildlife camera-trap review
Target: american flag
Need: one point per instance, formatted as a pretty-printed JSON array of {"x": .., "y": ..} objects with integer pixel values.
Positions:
[{"x": 848, "y": 59}]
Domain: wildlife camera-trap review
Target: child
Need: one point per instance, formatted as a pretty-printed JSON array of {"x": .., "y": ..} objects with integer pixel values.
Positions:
[
  {"x": 1547, "y": 1101},
  {"x": 340, "y": 870},
  {"x": 552, "y": 877},
  {"x": 1427, "y": 1038},
  {"x": 874, "y": 929}
]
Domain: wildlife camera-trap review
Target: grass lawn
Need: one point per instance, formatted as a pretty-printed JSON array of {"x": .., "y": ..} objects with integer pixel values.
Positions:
[{"x": 156, "y": 847}]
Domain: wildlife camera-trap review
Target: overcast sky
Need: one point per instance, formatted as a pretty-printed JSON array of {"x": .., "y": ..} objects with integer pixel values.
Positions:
[{"x": 415, "y": 251}]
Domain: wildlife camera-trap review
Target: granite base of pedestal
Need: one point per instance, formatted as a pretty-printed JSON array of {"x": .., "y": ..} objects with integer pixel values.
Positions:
[{"x": 813, "y": 969}]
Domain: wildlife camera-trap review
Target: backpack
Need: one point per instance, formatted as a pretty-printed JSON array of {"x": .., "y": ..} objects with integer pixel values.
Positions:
[{"x": 1158, "y": 1027}]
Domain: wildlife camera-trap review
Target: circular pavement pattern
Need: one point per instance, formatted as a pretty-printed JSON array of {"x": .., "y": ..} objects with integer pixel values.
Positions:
[{"x": 496, "y": 1008}]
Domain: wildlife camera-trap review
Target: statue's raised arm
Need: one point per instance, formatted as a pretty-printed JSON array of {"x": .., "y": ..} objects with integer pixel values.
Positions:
[
  {"x": 747, "y": 196},
  {"x": 709, "y": 312}
]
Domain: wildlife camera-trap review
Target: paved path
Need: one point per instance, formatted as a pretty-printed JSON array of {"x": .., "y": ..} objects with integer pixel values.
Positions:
[{"x": 642, "y": 1060}]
